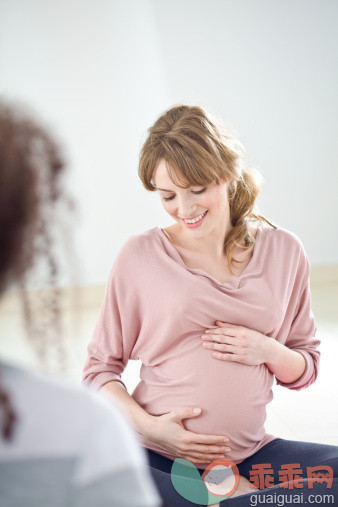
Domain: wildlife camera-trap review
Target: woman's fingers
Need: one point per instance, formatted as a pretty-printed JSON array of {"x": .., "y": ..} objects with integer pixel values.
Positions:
[
  {"x": 206, "y": 447},
  {"x": 209, "y": 449},
  {"x": 204, "y": 456},
  {"x": 195, "y": 460},
  {"x": 198, "y": 438}
]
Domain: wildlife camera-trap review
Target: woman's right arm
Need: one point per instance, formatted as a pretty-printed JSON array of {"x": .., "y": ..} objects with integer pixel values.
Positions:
[
  {"x": 115, "y": 335},
  {"x": 140, "y": 420},
  {"x": 113, "y": 341}
]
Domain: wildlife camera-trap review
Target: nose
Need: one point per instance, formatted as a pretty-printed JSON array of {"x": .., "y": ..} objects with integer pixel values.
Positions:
[
  {"x": 187, "y": 212},
  {"x": 185, "y": 207}
]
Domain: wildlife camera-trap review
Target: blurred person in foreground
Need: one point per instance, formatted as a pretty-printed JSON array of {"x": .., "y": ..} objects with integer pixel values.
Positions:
[{"x": 60, "y": 443}]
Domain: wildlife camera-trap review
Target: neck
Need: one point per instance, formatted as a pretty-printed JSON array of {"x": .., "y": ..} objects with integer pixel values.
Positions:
[{"x": 208, "y": 243}]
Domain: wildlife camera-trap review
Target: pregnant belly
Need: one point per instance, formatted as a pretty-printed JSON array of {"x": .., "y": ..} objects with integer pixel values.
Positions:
[{"x": 232, "y": 396}]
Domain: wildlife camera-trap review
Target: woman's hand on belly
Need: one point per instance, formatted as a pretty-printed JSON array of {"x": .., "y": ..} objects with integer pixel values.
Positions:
[
  {"x": 236, "y": 343},
  {"x": 168, "y": 431}
]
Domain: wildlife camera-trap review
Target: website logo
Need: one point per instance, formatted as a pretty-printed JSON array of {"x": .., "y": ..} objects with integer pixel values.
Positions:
[
  {"x": 221, "y": 477},
  {"x": 218, "y": 481}
]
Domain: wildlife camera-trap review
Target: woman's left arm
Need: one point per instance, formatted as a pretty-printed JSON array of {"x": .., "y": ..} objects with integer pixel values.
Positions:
[
  {"x": 288, "y": 365},
  {"x": 294, "y": 364}
]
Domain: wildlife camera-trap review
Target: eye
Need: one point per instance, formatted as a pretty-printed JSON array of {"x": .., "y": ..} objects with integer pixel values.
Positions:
[{"x": 198, "y": 192}]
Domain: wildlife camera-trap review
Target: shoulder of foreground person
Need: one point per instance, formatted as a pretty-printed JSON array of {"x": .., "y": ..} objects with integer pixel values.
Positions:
[
  {"x": 59, "y": 418},
  {"x": 112, "y": 468}
]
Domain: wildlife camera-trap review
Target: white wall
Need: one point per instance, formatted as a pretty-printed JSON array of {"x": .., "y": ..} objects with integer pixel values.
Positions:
[{"x": 100, "y": 72}]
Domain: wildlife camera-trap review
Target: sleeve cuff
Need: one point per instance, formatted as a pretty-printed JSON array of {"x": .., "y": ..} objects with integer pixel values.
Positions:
[{"x": 103, "y": 378}]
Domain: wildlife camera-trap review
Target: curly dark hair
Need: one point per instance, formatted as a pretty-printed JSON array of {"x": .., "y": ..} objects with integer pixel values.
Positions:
[{"x": 33, "y": 205}]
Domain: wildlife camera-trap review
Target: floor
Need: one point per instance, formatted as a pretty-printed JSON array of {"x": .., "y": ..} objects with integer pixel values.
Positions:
[{"x": 308, "y": 415}]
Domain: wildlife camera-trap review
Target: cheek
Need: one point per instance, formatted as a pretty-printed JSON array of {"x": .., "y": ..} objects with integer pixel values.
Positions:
[
  {"x": 208, "y": 203},
  {"x": 169, "y": 208},
  {"x": 216, "y": 201}
]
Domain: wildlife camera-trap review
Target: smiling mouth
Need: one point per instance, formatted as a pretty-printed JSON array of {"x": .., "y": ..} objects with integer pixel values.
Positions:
[{"x": 197, "y": 218}]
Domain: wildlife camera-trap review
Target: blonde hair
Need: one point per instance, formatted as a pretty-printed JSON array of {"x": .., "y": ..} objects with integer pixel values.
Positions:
[{"x": 199, "y": 149}]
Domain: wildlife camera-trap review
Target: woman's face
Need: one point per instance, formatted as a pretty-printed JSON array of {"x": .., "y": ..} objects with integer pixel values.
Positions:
[{"x": 206, "y": 206}]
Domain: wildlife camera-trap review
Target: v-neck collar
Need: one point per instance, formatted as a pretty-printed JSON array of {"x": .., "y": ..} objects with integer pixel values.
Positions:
[{"x": 234, "y": 281}]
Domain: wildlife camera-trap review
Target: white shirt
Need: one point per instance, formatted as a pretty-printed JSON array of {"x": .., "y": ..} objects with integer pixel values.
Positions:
[{"x": 71, "y": 447}]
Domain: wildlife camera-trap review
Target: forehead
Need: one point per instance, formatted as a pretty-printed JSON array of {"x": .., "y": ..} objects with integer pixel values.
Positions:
[{"x": 162, "y": 179}]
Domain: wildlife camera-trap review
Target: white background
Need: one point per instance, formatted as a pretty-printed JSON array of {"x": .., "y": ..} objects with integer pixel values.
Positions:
[{"x": 100, "y": 73}]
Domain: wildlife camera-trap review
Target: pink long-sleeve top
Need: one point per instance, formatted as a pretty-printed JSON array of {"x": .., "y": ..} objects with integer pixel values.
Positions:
[{"x": 156, "y": 308}]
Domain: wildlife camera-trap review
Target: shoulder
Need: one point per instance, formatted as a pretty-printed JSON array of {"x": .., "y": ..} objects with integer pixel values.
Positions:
[
  {"x": 283, "y": 238},
  {"x": 288, "y": 248},
  {"x": 57, "y": 415},
  {"x": 137, "y": 245},
  {"x": 76, "y": 435},
  {"x": 46, "y": 390}
]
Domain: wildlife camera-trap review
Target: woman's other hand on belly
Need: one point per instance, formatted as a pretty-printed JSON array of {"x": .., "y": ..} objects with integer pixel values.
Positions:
[{"x": 168, "y": 431}]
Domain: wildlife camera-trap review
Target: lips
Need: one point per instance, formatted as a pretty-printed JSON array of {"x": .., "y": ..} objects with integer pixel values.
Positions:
[
  {"x": 191, "y": 218},
  {"x": 201, "y": 215},
  {"x": 196, "y": 224}
]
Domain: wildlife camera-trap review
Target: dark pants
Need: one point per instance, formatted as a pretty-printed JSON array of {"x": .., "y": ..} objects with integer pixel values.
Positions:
[{"x": 277, "y": 453}]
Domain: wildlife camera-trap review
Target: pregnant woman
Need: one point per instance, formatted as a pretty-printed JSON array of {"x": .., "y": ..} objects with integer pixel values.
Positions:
[{"x": 215, "y": 306}]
